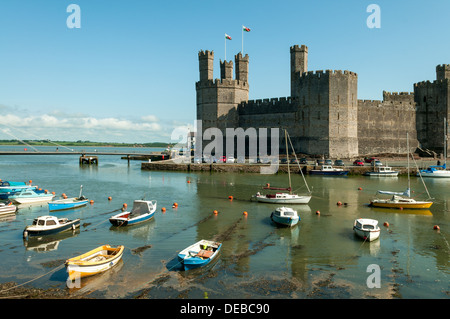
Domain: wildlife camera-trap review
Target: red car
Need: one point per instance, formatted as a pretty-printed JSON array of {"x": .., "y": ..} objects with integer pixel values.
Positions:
[
  {"x": 358, "y": 163},
  {"x": 370, "y": 159}
]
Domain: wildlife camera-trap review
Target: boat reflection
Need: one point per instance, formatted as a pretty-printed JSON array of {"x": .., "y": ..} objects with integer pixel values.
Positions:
[{"x": 48, "y": 242}]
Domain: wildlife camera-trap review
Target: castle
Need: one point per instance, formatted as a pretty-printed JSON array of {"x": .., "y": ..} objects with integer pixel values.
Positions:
[{"x": 323, "y": 115}]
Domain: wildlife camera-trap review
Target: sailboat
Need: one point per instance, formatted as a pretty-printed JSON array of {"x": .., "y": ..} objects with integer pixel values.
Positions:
[
  {"x": 401, "y": 200},
  {"x": 438, "y": 170},
  {"x": 285, "y": 198}
]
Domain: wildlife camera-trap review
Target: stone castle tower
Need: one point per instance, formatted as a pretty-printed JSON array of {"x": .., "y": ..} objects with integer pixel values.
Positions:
[{"x": 323, "y": 114}]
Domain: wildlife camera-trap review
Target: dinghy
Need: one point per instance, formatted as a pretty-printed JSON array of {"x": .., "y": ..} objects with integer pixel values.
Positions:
[
  {"x": 94, "y": 262},
  {"x": 199, "y": 254},
  {"x": 7, "y": 208}
]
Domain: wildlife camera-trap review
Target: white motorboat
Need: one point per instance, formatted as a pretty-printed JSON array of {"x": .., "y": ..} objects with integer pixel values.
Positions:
[
  {"x": 382, "y": 171},
  {"x": 7, "y": 208},
  {"x": 285, "y": 216},
  {"x": 366, "y": 228}
]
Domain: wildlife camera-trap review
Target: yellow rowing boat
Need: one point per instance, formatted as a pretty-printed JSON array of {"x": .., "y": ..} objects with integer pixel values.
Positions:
[{"x": 93, "y": 262}]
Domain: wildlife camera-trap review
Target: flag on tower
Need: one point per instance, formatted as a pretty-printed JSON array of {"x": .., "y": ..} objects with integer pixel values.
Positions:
[
  {"x": 227, "y": 36},
  {"x": 245, "y": 29}
]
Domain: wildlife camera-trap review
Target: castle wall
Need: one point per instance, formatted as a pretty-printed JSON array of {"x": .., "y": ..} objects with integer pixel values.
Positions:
[
  {"x": 432, "y": 100},
  {"x": 383, "y": 125}
]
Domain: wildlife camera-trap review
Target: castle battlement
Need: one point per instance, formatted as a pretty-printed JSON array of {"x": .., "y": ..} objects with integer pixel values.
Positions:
[
  {"x": 206, "y": 53},
  {"x": 428, "y": 83},
  {"x": 302, "y": 48},
  {"x": 217, "y": 83},
  {"x": 321, "y": 73}
]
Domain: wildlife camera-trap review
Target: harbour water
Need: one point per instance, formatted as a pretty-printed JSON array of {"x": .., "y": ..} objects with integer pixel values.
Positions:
[{"x": 320, "y": 258}]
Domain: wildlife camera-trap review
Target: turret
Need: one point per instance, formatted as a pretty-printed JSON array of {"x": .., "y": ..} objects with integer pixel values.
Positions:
[
  {"x": 206, "y": 60},
  {"x": 241, "y": 67},
  {"x": 443, "y": 72},
  {"x": 226, "y": 70},
  {"x": 299, "y": 64}
]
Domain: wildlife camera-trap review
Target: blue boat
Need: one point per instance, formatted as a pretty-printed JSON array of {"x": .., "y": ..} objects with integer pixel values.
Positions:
[
  {"x": 47, "y": 225},
  {"x": 199, "y": 254},
  {"x": 9, "y": 188},
  {"x": 285, "y": 216},
  {"x": 328, "y": 170},
  {"x": 67, "y": 203},
  {"x": 142, "y": 211}
]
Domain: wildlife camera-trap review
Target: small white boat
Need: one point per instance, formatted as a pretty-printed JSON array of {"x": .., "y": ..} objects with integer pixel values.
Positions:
[
  {"x": 285, "y": 216},
  {"x": 366, "y": 228},
  {"x": 439, "y": 171},
  {"x": 382, "y": 171},
  {"x": 7, "y": 208},
  {"x": 28, "y": 196},
  {"x": 199, "y": 254},
  {"x": 68, "y": 203},
  {"x": 46, "y": 225},
  {"x": 93, "y": 262},
  {"x": 282, "y": 198}
]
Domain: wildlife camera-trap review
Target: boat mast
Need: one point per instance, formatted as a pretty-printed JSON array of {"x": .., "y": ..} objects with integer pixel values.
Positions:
[
  {"x": 407, "y": 149},
  {"x": 445, "y": 142},
  {"x": 287, "y": 158}
]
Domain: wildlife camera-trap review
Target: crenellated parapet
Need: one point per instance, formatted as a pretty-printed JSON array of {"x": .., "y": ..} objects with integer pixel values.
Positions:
[{"x": 268, "y": 106}]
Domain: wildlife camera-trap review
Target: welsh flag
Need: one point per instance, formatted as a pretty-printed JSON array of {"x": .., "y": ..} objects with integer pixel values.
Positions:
[
  {"x": 246, "y": 29},
  {"x": 227, "y": 36}
]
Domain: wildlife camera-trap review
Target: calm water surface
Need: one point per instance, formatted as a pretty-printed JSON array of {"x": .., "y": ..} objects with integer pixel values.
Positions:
[{"x": 319, "y": 258}]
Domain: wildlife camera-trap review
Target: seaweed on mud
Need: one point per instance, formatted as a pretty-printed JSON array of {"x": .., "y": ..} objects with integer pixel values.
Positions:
[{"x": 139, "y": 250}]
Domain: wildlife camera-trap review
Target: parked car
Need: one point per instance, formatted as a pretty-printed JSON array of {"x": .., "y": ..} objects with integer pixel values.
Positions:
[
  {"x": 339, "y": 163},
  {"x": 230, "y": 159},
  {"x": 328, "y": 162},
  {"x": 320, "y": 162},
  {"x": 358, "y": 162},
  {"x": 377, "y": 163},
  {"x": 370, "y": 159},
  {"x": 293, "y": 161},
  {"x": 303, "y": 161}
]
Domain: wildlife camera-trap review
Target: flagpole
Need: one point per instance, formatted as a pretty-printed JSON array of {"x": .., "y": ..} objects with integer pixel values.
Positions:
[
  {"x": 225, "y": 47},
  {"x": 242, "y": 40}
]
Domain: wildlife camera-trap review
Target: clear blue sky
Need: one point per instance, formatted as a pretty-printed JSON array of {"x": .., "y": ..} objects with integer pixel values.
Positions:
[{"x": 128, "y": 74}]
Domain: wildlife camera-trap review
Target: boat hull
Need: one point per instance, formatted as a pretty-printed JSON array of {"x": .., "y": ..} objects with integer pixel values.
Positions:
[
  {"x": 330, "y": 173},
  {"x": 40, "y": 231},
  {"x": 193, "y": 261},
  {"x": 123, "y": 221},
  {"x": 64, "y": 204},
  {"x": 369, "y": 235},
  {"x": 437, "y": 174},
  {"x": 284, "y": 221},
  {"x": 378, "y": 174},
  {"x": 93, "y": 262},
  {"x": 389, "y": 204},
  {"x": 7, "y": 209},
  {"x": 275, "y": 200},
  {"x": 32, "y": 200}
]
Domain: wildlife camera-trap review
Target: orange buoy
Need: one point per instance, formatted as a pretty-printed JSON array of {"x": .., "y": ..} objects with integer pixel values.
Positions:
[
  {"x": 124, "y": 205},
  {"x": 245, "y": 213},
  {"x": 91, "y": 202},
  {"x": 53, "y": 193},
  {"x": 188, "y": 181},
  {"x": 360, "y": 188},
  {"x": 436, "y": 227},
  {"x": 339, "y": 203},
  {"x": 317, "y": 212},
  {"x": 215, "y": 212},
  {"x": 267, "y": 185},
  {"x": 63, "y": 194},
  {"x": 30, "y": 181},
  {"x": 230, "y": 197},
  {"x": 386, "y": 224},
  {"x": 175, "y": 205},
  {"x": 163, "y": 209}
]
